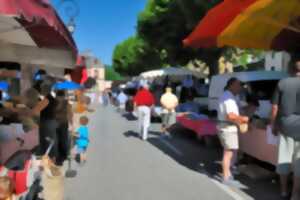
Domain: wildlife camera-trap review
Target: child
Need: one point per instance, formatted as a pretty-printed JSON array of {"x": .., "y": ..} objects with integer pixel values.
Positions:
[
  {"x": 82, "y": 140},
  {"x": 6, "y": 188}
]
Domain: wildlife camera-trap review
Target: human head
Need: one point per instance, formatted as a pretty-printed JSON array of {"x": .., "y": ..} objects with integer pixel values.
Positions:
[
  {"x": 251, "y": 101},
  {"x": 6, "y": 188},
  {"x": 31, "y": 97},
  {"x": 84, "y": 121},
  {"x": 61, "y": 94},
  {"x": 168, "y": 90},
  {"x": 234, "y": 85},
  {"x": 145, "y": 86},
  {"x": 87, "y": 100}
]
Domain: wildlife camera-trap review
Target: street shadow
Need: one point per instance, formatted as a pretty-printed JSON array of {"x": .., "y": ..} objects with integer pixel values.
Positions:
[
  {"x": 134, "y": 134},
  {"x": 131, "y": 134},
  {"x": 129, "y": 117},
  {"x": 195, "y": 155},
  {"x": 188, "y": 152}
]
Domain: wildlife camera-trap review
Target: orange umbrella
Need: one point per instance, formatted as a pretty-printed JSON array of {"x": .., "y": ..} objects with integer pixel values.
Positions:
[{"x": 262, "y": 24}]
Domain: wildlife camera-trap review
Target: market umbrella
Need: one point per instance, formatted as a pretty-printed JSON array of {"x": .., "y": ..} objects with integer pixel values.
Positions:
[
  {"x": 67, "y": 85},
  {"x": 261, "y": 24},
  {"x": 32, "y": 32},
  {"x": 4, "y": 86}
]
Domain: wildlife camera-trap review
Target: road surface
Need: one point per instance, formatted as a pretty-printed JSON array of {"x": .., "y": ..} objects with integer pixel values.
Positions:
[{"x": 122, "y": 167}]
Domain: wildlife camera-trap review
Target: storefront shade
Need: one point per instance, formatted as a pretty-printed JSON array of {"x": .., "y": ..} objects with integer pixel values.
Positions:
[
  {"x": 261, "y": 24},
  {"x": 67, "y": 85},
  {"x": 33, "y": 33}
]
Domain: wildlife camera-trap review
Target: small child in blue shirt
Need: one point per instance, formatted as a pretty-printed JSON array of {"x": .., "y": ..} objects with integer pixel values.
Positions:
[{"x": 82, "y": 140}]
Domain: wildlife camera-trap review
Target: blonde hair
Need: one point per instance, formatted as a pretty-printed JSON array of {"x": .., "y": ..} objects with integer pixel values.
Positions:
[{"x": 6, "y": 187}]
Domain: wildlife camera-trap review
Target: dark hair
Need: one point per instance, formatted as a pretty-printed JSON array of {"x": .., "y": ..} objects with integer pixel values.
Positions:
[
  {"x": 230, "y": 82},
  {"x": 292, "y": 68},
  {"x": 42, "y": 72},
  {"x": 60, "y": 93},
  {"x": 253, "y": 101}
]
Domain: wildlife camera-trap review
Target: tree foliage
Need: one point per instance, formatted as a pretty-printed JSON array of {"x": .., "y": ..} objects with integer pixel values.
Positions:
[
  {"x": 242, "y": 57},
  {"x": 165, "y": 23},
  {"x": 111, "y": 74},
  {"x": 162, "y": 26},
  {"x": 134, "y": 56}
]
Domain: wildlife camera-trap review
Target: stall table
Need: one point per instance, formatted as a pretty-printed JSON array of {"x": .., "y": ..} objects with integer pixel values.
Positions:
[
  {"x": 202, "y": 128},
  {"x": 254, "y": 143}
]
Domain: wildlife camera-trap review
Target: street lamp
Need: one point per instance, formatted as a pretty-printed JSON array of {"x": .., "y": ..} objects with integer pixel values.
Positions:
[
  {"x": 72, "y": 10},
  {"x": 71, "y": 26}
]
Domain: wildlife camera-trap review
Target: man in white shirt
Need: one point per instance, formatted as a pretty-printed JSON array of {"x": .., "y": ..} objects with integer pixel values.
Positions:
[{"x": 228, "y": 113}]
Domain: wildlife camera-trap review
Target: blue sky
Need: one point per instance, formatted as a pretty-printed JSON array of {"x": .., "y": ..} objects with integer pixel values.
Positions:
[{"x": 104, "y": 23}]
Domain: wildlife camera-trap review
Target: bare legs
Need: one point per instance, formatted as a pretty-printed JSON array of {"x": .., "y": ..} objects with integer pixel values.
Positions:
[{"x": 226, "y": 164}]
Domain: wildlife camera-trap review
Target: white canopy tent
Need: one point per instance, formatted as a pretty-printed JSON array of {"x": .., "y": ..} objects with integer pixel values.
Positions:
[{"x": 179, "y": 72}]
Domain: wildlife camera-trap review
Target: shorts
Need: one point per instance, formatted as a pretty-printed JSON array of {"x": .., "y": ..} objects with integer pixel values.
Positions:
[
  {"x": 80, "y": 150},
  {"x": 288, "y": 156},
  {"x": 229, "y": 139},
  {"x": 168, "y": 119}
]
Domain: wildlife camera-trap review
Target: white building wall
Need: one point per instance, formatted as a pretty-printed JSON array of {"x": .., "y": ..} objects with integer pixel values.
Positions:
[{"x": 278, "y": 61}]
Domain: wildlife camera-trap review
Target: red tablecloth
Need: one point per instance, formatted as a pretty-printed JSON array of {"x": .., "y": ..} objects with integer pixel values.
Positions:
[{"x": 203, "y": 127}]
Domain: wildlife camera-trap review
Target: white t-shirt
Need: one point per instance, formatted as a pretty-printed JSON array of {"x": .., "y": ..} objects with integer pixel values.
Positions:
[
  {"x": 228, "y": 103},
  {"x": 122, "y": 98}
]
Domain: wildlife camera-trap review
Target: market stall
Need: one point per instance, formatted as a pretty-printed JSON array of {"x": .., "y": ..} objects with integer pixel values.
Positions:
[
  {"x": 231, "y": 23},
  {"x": 173, "y": 72},
  {"x": 32, "y": 36}
]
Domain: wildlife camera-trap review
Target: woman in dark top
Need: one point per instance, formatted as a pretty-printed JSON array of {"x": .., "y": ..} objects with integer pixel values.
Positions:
[
  {"x": 64, "y": 117},
  {"x": 48, "y": 124}
]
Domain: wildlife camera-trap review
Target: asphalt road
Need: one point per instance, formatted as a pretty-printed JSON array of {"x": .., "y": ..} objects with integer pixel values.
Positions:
[{"x": 122, "y": 167}]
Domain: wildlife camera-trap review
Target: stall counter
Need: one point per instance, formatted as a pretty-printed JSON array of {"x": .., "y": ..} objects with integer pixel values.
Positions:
[{"x": 254, "y": 143}]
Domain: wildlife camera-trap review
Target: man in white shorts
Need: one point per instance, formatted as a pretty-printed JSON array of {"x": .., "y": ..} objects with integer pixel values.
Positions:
[{"x": 229, "y": 115}]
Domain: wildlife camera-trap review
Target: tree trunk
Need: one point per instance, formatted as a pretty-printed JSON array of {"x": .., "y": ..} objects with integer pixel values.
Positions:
[
  {"x": 213, "y": 67},
  {"x": 211, "y": 58}
]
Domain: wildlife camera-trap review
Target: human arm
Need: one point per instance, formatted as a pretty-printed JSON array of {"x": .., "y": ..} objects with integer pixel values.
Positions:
[
  {"x": 232, "y": 117},
  {"x": 232, "y": 112},
  {"x": 32, "y": 112},
  {"x": 39, "y": 107},
  {"x": 274, "y": 112}
]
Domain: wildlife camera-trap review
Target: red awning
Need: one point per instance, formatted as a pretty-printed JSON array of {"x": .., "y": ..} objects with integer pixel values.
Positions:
[
  {"x": 41, "y": 21},
  {"x": 38, "y": 22}
]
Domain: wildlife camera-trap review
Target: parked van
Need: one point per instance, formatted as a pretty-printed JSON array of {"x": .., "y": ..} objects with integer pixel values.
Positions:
[{"x": 262, "y": 84}]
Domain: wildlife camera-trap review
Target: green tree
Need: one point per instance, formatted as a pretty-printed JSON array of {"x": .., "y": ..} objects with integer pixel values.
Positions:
[
  {"x": 111, "y": 74},
  {"x": 241, "y": 57},
  {"x": 165, "y": 23},
  {"x": 134, "y": 56}
]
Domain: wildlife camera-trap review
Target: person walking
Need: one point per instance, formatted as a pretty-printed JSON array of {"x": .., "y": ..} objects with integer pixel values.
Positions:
[
  {"x": 229, "y": 115},
  {"x": 169, "y": 102},
  {"x": 286, "y": 123},
  {"x": 143, "y": 101},
  {"x": 122, "y": 100}
]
